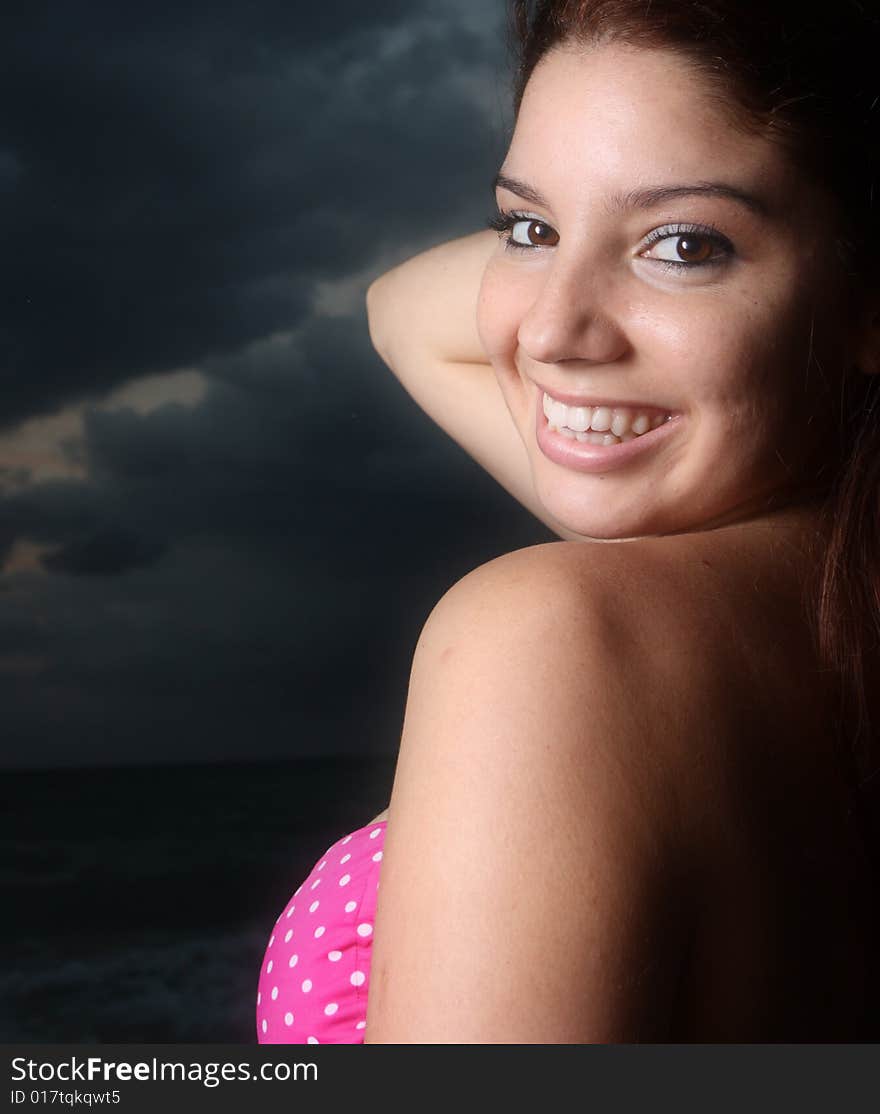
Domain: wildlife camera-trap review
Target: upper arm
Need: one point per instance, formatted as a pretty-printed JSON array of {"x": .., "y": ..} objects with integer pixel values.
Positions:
[
  {"x": 422, "y": 318},
  {"x": 527, "y": 893}
]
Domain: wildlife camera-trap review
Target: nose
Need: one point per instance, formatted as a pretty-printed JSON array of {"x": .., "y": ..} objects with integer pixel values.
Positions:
[{"x": 571, "y": 320}]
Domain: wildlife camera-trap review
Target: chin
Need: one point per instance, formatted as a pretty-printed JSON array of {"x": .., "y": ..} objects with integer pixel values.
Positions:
[
  {"x": 616, "y": 506},
  {"x": 600, "y": 518}
]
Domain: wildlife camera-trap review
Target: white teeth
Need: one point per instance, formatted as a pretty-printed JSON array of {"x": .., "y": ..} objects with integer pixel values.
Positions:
[
  {"x": 579, "y": 418},
  {"x": 620, "y": 423},
  {"x": 601, "y": 419},
  {"x": 593, "y": 438},
  {"x": 624, "y": 423}
]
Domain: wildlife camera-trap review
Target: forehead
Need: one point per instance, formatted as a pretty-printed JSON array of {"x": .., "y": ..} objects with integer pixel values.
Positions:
[{"x": 612, "y": 114}]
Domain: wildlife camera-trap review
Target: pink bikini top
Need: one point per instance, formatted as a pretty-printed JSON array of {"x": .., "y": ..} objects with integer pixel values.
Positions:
[{"x": 315, "y": 974}]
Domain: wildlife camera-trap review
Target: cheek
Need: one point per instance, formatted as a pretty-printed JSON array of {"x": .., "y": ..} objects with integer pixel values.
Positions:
[
  {"x": 690, "y": 356},
  {"x": 722, "y": 355},
  {"x": 767, "y": 361},
  {"x": 505, "y": 297}
]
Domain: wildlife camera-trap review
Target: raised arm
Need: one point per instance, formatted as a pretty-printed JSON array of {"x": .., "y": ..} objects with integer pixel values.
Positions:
[{"x": 422, "y": 317}]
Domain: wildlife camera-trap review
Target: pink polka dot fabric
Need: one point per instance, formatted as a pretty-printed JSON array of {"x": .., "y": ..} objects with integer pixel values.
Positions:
[{"x": 315, "y": 974}]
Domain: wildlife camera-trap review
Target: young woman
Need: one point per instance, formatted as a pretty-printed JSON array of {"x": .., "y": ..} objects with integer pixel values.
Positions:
[{"x": 633, "y": 784}]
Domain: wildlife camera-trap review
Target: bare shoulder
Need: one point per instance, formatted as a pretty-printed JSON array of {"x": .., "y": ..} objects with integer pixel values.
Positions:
[
  {"x": 597, "y": 738},
  {"x": 551, "y": 638},
  {"x": 529, "y": 794},
  {"x": 687, "y": 633},
  {"x": 640, "y": 619},
  {"x": 651, "y": 573},
  {"x": 561, "y": 623}
]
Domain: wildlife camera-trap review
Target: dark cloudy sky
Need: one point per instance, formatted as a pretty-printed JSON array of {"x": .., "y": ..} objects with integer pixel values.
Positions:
[{"x": 222, "y": 521}]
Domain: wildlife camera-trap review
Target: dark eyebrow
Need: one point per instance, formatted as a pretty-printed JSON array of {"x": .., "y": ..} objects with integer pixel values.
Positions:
[
  {"x": 519, "y": 188},
  {"x": 647, "y": 197},
  {"x": 650, "y": 196}
]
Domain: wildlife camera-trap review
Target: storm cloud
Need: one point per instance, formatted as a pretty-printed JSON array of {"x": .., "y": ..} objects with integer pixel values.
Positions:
[{"x": 223, "y": 522}]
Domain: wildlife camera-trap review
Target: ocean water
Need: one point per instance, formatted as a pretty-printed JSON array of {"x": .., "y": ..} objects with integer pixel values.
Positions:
[{"x": 138, "y": 901}]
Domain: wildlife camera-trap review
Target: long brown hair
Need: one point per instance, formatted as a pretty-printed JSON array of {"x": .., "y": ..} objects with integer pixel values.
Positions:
[{"x": 805, "y": 76}]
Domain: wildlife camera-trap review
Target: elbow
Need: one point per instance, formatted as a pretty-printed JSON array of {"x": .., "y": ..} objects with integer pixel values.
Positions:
[{"x": 376, "y": 305}]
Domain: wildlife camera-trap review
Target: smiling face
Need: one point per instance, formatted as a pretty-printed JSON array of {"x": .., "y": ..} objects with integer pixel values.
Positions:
[{"x": 666, "y": 276}]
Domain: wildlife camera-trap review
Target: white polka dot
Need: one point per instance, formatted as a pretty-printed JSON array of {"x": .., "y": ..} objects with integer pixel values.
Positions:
[
  {"x": 330, "y": 1008},
  {"x": 269, "y": 967},
  {"x": 287, "y": 935},
  {"x": 264, "y": 1026},
  {"x": 358, "y": 978},
  {"x": 350, "y": 906},
  {"x": 375, "y": 832},
  {"x": 316, "y": 883},
  {"x": 271, "y": 941},
  {"x": 314, "y": 906},
  {"x": 319, "y": 932},
  {"x": 274, "y": 993},
  {"x": 365, "y": 929},
  {"x": 361, "y": 1025},
  {"x": 259, "y": 997},
  {"x": 294, "y": 959},
  {"x": 344, "y": 880},
  {"x": 377, "y": 858},
  {"x": 344, "y": 860},
  {"x": 290, "y": 910},
  {"x": 346, "y": 840},
  {"x": 322, "y": 864},
  {"x": 312, "y": 1040},
  {"x": 298, "y": 888},
  {"x": 306, "y": 986},
  {"x": 288, "y": 1019},
  {"x": 334, "y": 957}
]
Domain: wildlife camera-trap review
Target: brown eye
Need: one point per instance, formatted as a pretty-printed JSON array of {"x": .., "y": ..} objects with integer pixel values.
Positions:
[
  {"x": 683, "y": 248},
  {"x": 542, "y": 234},
  {"x": 533, "y": 233},
  {"x": 693, "y": 249}
]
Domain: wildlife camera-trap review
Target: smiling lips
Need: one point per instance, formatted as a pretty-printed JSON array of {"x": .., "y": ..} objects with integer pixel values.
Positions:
[
  {"x": 594, "y": 438},
  {"x": 600, "y": 424}
]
